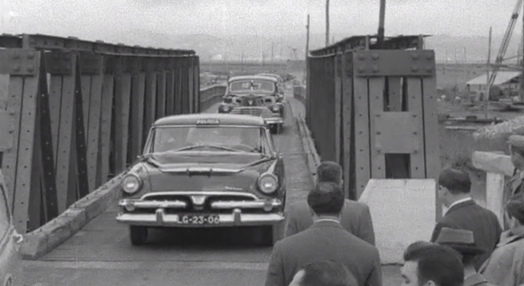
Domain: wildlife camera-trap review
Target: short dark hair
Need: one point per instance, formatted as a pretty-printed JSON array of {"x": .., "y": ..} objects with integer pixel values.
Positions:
[
  {"x": 457, "y": 181},
  {"x": 438, "y": 263},
  {"x": 326, "y": 198},
  {"x": 515, "y": 207},
  {"x": 329, "y": 171},
  {"x": 327, "y": 273}
]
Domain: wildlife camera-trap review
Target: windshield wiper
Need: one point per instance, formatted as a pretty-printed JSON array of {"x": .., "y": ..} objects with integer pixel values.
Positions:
[
  {"x": 207, "y": 146},
  {"x": 257, "y": 162},
  {"x": 149, "y": 159}
]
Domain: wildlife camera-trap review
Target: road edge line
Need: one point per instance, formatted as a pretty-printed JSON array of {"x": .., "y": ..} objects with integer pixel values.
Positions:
[{"x": 49, "y": 236}]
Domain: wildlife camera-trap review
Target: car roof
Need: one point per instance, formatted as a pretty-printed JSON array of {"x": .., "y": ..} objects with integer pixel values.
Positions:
[
  {"x": 248, "y": 77},
  {"x": 224, "y": 119},
  {"x": 270, "y": 74}
]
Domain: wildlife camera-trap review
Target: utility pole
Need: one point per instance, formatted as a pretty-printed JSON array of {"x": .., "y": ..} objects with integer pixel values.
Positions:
[
  {"x": 488, "y": 77},
  {"x": 307, "y": 45},
  {"x": 381, "y": 20},
  {"x": 327, "y": 22}
]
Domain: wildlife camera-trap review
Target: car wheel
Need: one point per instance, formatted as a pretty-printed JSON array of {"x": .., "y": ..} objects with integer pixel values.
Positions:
[{"x": 137, "y": 234}]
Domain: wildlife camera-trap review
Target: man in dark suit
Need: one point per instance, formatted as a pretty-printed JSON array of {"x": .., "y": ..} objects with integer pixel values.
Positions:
[
  {"x": 356, "y": 217},
  {"x": 323, "y": 273},
  {"x": 464, "y": 213},
  {"x": 326, "y": 239}
]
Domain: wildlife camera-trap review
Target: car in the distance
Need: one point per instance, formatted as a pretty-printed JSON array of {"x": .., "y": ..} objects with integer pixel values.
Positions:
[
  {"x": 10, "y": 241},
  {"x": 206, "y": 170},
  {"x": 255, "y": 95}
]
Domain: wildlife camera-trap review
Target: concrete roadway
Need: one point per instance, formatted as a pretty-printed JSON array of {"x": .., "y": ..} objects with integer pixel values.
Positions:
[{"x": 101, "y": 254}]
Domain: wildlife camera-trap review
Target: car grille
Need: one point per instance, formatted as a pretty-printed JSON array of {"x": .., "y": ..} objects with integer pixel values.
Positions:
[
  {"x": 204, "y": 208},
  {"x": 256, "y": 111}
]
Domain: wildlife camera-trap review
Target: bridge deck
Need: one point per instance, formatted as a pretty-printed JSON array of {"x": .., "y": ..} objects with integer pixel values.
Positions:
[{"x": 100, "y": 253}]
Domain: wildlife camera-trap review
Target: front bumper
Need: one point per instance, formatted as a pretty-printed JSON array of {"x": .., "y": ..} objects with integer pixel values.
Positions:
[
  {"x": 236, "y": 218},
  {"x": 274, "y": 120}
]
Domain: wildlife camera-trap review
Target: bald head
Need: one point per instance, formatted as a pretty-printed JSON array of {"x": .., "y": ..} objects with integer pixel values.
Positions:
[{"x": 326, "y": 199}]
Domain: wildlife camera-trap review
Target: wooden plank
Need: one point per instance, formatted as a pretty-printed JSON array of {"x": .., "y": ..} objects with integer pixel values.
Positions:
[
  {"x": 25, "y": 183},
  {"x": 431, "y": 140},
  {"x": 105, "y": 129},
  {"x": 170, "y": 92},
  {"x": 85, "y": 81},
  {"x": 338, "y": 109},
  {"x": 121, "y": 124},
  {"x": 362, "y": 144},
  {"x": 93, "y": 131},
  {"x": 494, "y": 196},
  {"x": 347, "y": 136},
  {"x": 10, "y": 157},
  {"x": 55, "y": 102},
  {"x": 137, "y": 116},
  {"x": 34, "y": 203},
  {"x": 161, "y": 94},
  {"x": 376, "y": 106},
  {"x": 414, "y": 96}
]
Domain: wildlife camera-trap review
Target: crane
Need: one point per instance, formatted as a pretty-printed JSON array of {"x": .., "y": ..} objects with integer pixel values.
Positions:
[{"x": 504, "y": 45}]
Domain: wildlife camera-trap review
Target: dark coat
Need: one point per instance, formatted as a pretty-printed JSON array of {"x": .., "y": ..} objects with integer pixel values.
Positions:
[
  {"x": 481, "y": 221},
  {"x": 325, "y": 240},
  {"x": 355, "y": 218}
]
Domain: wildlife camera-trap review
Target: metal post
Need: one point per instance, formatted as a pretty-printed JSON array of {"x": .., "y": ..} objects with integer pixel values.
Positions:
[
  {"x": 488, "y": 87},
  {"x": 381, "y": 21},
  {"x": 521, "y": 63},
  {"x": 307, "y": 46},
  {"x": 327, "y": 22}
]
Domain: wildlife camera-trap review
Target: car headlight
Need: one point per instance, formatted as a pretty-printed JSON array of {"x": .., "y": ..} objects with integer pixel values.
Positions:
[
  {"x": 131, "y": 183},
  {"x": 268, "y": 183},
  {"x": 275, "y": 108}
]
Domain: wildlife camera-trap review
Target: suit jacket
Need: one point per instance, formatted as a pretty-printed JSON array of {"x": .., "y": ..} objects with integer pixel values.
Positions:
[
  {"x": 481, "y": 221},
  {"x": 325, "y": 240},
  {"x": 355, "y": 218}
]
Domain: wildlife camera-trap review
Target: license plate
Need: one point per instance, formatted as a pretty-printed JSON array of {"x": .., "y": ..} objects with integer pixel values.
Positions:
[{"x": 199, "y": 219}]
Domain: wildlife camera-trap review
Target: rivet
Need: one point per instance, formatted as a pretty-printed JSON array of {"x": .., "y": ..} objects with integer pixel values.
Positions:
[
  {"x": 378, "y": 115},
  {"x": 361, "y": 69},
  {"x": 375, "y": 68},
  {"x": 30, "y": 55},
  {"x": 16, "y": 56},
  {"x": 31, "y": 68},
  {"x": 375, "y": 56},
  {"x": 17, "y": 67},
  {"x": 429, "y": 69},
  {"x": 415, "y": 133},
  {"x": 361, "y": 57},
  {"x": 414, "y": 56},
  {"x": 12, "y": 112},
  {"x": 378, "y": 132},
  {"x": 429, "y": 56},
  {"x": 414, "y": 68},
  {"x": 414, "y": 115}
]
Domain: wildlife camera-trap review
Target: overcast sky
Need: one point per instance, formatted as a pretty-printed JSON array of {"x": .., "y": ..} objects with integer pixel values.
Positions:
[{"x": 262, "y": 17}]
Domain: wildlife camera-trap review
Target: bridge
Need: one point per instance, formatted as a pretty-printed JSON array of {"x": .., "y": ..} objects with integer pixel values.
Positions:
[{"x": 76, "y": 114}]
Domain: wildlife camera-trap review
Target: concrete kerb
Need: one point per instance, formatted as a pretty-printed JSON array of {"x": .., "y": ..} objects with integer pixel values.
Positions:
[
  {"x": 46, "y": 238},
  {"x": 311, "y": 155}
]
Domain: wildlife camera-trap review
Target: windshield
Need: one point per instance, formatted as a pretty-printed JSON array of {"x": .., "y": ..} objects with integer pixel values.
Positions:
[
  {"x": 219, "y": 139},
  {"x": 252, "y": 85}
]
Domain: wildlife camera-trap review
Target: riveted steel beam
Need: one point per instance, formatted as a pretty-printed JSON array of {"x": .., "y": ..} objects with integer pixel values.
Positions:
[
  {"x": 394, "y": 63},
  {"x": 90, "y": 63},
  {"x": 59, "y": 62},
  {"x": 18, "y": 62}
]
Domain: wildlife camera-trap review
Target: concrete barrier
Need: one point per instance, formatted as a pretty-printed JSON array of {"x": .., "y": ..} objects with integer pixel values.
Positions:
[
  {"x": 498, "y": 167},
  {"x": 403, "y": 211}
]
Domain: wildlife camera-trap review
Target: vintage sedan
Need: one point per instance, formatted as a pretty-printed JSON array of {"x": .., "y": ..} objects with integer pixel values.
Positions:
[
  {"x": 206, "y": 170},
  {"x": 10, "y": 240},
  {"x": 255, "y": 95}
]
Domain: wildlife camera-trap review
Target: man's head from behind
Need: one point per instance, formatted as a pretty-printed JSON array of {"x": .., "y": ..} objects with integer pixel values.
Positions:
[
  {"x": 326, "y": 200},
  {"x": 453, "y": 185},
  {"x": 431, "y": 264},
  {"x": 324, "y": 273},
  {"x": 329, "y": 171}
]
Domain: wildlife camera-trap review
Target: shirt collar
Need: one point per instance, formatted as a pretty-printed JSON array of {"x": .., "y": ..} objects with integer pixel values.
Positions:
[
  {"x": 327, "y": 219},
  {"x": 460, "y": 201},
  {"x": 474, "y": 279}
]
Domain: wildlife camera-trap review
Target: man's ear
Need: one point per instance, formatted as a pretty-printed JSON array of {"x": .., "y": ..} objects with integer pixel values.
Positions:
[{"x": 430, "y": 283}]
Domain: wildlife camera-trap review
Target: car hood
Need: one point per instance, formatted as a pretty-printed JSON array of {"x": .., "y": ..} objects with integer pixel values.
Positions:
[{"x": 206, "y": 171}]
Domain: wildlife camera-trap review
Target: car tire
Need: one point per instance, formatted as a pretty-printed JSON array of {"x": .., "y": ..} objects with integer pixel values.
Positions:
[{"x": 137, "y": 234}]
